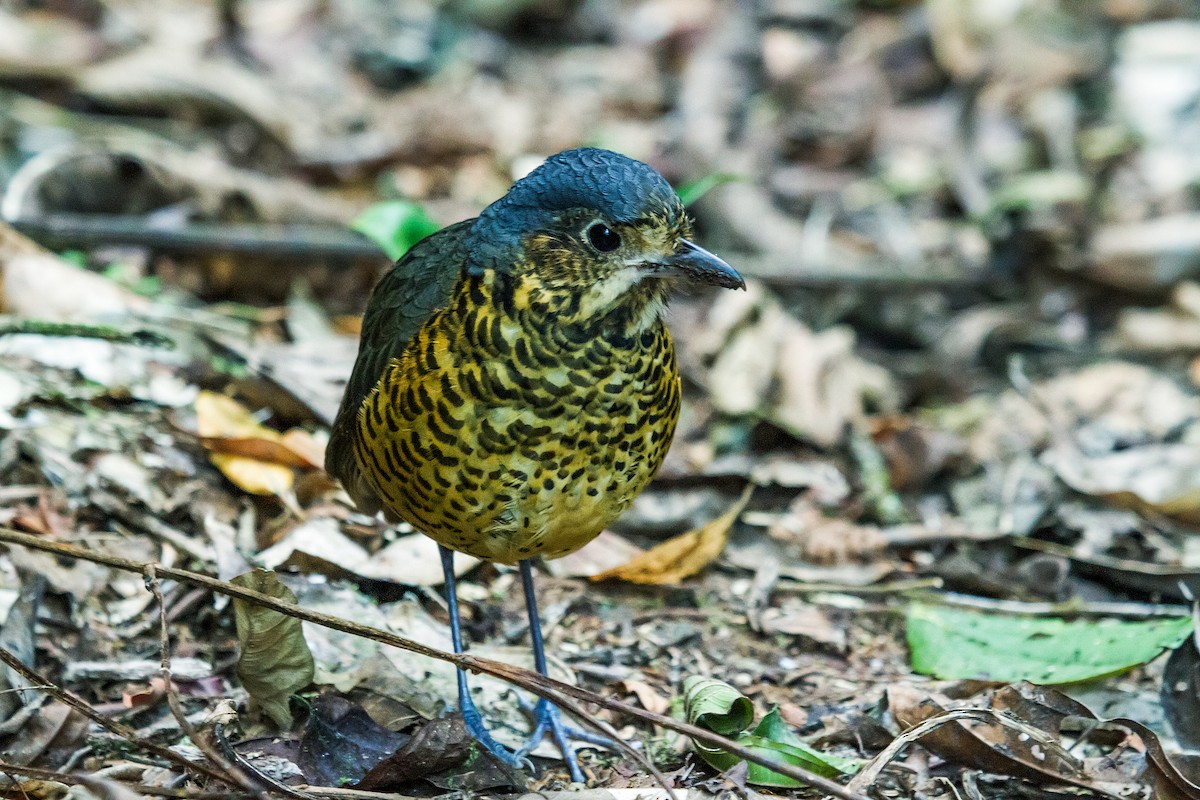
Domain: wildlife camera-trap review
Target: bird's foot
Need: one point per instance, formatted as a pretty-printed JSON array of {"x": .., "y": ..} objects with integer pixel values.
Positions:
[
  {"x": 518, "y": 759},
  {"x": 548, "y": 719}
]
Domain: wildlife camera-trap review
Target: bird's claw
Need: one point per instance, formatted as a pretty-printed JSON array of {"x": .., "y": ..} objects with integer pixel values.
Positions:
[
  {"x": 517, "y": 759},
  {"x": 573, "y": 733},
  {"x": 549, "y": 718}
]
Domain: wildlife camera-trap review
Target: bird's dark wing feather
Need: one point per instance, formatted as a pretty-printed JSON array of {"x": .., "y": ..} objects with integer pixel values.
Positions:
[{"x": 406, "y": 296}]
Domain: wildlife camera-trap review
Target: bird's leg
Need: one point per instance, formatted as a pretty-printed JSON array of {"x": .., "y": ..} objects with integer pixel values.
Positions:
[
  {"x": 545, "y": 713},
  {"x": 466, "y": 706}
]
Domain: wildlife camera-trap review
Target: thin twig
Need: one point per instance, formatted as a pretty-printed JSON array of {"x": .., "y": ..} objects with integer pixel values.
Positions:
[
  {"x": 236, "y": 776},
  {"x": 553, "y": 690},
  {"x": 116, "y": 728},
  {"x": 870, "y": 773},
  {"x": 329, "y": 792}
]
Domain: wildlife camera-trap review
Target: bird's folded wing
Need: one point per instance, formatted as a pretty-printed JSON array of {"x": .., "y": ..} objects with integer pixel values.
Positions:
[{"x": 404, "y": 299}]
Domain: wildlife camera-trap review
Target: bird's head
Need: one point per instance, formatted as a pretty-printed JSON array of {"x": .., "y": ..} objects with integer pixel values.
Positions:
[{"x": 593, "y": 231}]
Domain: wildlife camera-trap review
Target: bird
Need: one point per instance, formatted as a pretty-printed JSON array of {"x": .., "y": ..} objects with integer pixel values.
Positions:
[{"x": 516, "y": 385}]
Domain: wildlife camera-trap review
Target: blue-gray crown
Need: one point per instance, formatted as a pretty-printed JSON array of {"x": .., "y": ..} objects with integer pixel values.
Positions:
[{"x": 618, "y": 188}]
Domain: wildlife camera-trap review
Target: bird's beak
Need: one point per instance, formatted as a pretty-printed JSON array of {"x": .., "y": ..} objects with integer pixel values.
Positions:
[{"x": 693, "y": 262}]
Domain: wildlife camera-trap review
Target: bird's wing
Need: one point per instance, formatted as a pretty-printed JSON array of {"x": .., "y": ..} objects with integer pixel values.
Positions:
[{"x": 406, "y": 296}]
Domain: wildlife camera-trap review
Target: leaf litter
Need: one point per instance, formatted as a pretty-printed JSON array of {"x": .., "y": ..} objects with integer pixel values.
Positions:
[{"x": 965, "y": 362}]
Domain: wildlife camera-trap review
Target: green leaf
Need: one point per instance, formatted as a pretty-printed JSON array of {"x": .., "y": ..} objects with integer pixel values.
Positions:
[
  {"x": 395, "y": 225},
  {"x": 1033, "y": 190},
  {"x": 773, "y": 728},
  {"x": 275, "y": 661},
  {"x": 692, "y": 191},
  {"x": 957, "y": 643},
  {"x": 722, "y": 709},
  {"x": 717, "y": 706}
]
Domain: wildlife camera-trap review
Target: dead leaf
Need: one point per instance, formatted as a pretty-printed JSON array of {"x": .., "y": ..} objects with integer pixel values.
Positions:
[
  {"x": 221, "y": 419},
  {"x": 647, "y": 696},
  {"x": 769, "y": 363},
  {"x": 990, "y": 747},
  {"x": 684, "y": 555},
  {"x": 607, "y": 551},
  {"x": 318, "y": 546},
  {"x": 1162, "y": 478},
  {"x": 1117, "y": 400},
  {"x": 256, "y": 448},
  {"x": 826, "y": 540},
  {"x": 35, "y": 790},
  {"x": 438, "y": 745},
  {"x": 985, "y": 743},
  {"x": 824, "y": 384},
  {"x": 36, "y": 283},
  {"x": 56, "y": 728},
  {"x": 805, "y": 622}
]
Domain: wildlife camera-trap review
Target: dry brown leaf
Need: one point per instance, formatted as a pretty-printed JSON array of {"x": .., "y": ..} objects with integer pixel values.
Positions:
[
  {"x": 766, "y": 362},
  {"x": 823, "y": 539},
  {"x": 807, "y": 622},
  {"x": 221, "y": 418},
  {"x": 35, "y": 790},
  {"x": 295, "y": 448},
  {"x": 36, "y": 283},
  {"x": 1160, "y": 478},
  {"x": 647, "y": 696},
  {"x": 305, "y": 447},
  {"x": 606, "y": 551},
  {"x": 684, "y": 555}
]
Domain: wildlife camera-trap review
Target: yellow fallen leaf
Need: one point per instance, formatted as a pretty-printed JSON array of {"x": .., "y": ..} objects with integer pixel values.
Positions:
[
  {"x": 254, "y": 476},
  {"x": 682, "y": 556},
  {"x": 222, "y": 420},
  {"x": 306, "y": 446}
]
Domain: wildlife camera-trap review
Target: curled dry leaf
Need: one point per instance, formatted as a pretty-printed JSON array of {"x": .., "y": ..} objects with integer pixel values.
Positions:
[
  {"x": 275, "y": 661},
  {"x": 1161, "y": 478},
  {"x": 647, "y": 696},
  {"x": 36, "y": 283},
  {"x": 810, "y": 383},
  {"x": 1019, "y": 730},
  {"x": 992, "y": 747},
  {"x": 684, "y": 555},
  {"x": 438, "y": 745},
  {"x": 257, "y": 459}
]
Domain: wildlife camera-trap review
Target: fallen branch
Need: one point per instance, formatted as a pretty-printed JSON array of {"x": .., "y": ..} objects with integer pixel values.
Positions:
[{"x": 107, "y": 333}]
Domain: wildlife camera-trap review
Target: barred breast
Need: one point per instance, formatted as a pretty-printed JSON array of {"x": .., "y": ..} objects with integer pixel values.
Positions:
[{"x": 503, "y": 434}]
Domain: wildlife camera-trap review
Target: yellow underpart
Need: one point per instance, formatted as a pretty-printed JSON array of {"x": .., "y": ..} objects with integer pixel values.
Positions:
[{"x": 511, "y": 440}]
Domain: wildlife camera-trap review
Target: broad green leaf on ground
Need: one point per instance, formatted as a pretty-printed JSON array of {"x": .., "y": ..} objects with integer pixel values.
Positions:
[
  {"x": 957, "y": 644},
  {"x": 275, "y": 661},
  {"x": 395, "y": 225},
  {"x": 720, "y": 708}
]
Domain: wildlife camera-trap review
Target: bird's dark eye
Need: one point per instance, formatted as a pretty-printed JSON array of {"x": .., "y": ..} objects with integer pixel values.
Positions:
[{"x": 603, "y": 238}]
